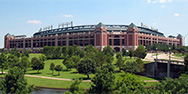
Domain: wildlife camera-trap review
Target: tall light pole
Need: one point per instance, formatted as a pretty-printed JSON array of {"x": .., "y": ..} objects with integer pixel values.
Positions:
[
  {"x": 156, "y": 60},
  {"x": 184, "y": 38},
  {"x": 168, "y": 65}
]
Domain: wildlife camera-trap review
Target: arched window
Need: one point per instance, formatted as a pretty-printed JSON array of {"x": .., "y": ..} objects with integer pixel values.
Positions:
[{"x": 116, "y": 36}]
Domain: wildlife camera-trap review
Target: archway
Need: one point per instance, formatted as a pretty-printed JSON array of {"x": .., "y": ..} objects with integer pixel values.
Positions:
[{"x": 117, "y": 49}]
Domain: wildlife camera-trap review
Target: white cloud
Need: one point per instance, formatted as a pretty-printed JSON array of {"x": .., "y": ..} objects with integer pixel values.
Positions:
[
  {"x": 159, "y": 1},
  {"x": 65, "y": 15},
  {"x": 34, "y": 21},
  {"x": 176, "y": 14},
  {"x": 163, "y": 6},
  {"x": 149, "y": 1}
]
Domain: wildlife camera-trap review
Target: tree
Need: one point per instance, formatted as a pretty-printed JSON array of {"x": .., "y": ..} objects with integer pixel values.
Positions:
[
  {"x": 25, "y": 53},
  {"x": 103, "y": 82},
  {"x": 25, "y": 63},
  {"x": 14, "y": 83},
  {"x": 125, "y": 53},
  {"x": 172, "y": 86},
  {"x": 90, "y": 48},
  {"x": 42, "y": 58},
  {"x": 131, "y": 67},
  {"x": 120, "y": 62},
  {"x": 184, "y": 69},
  {"x": 141, "y": 63},
  {"x": 100, "y": 59},
  {"x": 76, "y": 60},
  {"x": 110, "y": 67},
  {"x": 86, "y": 66},
  {"x": 129, "y": 85},
  {"x": 108, "y": 50},
  {"x": 140, "y": 52},
  {"x": 131, "y": 53},
  {"x": 71, "y": 51},
  {"x": 118, "y": 55},
  {"x": 52, "y": 67},
  {"x": 58, "y": 68},
  {"x": 37, "y": 64},
  {"x": 3, "y": 62},
  {"x": 13, "y": 61},
  {"x": 75, "y": 88},
  {"x": 69, "y": 64},
  {"x": 57, "y": 52}
]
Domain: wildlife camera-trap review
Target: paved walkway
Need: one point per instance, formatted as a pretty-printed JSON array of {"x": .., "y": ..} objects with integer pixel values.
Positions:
[{"x": 63, "y": 79}]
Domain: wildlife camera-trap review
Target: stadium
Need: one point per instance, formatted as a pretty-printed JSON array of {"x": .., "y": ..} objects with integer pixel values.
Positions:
[{"x": 119, "y": 37}]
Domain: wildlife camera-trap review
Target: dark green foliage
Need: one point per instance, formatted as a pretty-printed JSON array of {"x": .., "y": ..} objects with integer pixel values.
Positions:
[
  {"x": 37, "y": 64},
  {"x": 100, "y": 59},
  {"x": 131, "y": 53},
  {"x": 90, "y": 48},
  {"x": 57, "y": 52},
  {"x": 109, "y": 58},
  {"x": 75, "y": 88},
  {"x": 141, "y": 63},
  {"x": 25, "y": 53},
  {"x": 172, "y": 86},
  {"x": 14, "y": 83},
  {"x": 140, "y": 52},
  {"x": 25, "y": 63},
  {"x": 64, "y": 51},
  {"x": 125, "y": 53},
  {"x": 69, "y": 64},
  {"x": 129, "y": 85},
  {"x": 42, "y": 57},
  {"x": 52, "y": 52},
  {"x": 15, "y": 52},
  {"x": 120, "y": 62},
  {"x": 131, "y": 67},
  {"x": 118, "y": 55},
  {"x": 110, "y": 67},
  {"x": 3, "y": 62},
  {"x": 78, "y": 52},
  {"x": 52, "y": 67},
  {"x": 58, "y": 68},
  {"x": 71, "y": 51},
  {"x": 103, "y": 82},
  {"x": 13, "y": 61},
  {"x": 76, "y": 60},
  {"x": 184, "y": 69},
  {"x": 108, "y": 50},
  {"x": 86, "y": 66}
]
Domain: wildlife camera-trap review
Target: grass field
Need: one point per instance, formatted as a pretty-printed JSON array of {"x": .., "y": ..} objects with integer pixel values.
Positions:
[{"x": 68, "y": 74}]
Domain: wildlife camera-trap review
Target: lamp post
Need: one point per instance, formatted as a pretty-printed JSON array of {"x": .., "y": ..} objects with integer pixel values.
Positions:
[
  {"x": 184, "y": 38},
  {"x": 156, "y": 60},
  {"x": 168, "y": 65}
]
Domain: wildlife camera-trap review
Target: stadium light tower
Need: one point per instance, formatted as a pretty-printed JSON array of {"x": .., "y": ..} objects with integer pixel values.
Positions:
[{"x": 184, "y": 38}]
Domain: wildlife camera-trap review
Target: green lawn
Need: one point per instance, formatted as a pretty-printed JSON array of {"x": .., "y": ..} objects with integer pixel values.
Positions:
[{"x": 69, "y": 74}]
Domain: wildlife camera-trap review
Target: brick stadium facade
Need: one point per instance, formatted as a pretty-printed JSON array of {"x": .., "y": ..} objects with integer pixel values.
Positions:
[{"x": 119, "y": 37}]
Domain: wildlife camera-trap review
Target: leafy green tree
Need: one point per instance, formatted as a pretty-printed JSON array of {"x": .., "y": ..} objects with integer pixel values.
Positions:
[
  {"x": 118, "y": 55},
  {"x": 110, "y": 67},
  {"x": 52, "y": 67},
  {"x": 3, "y": 62},
  {"x": 79, "y": 52},
  {"x": 90, "y": 48},
  {"x": 131, "y": 67},
  {"x": 109, "y": 58},
  {"x": 86, "y": 66},
  {"x": 100, "y": 59},
  {"x": 13, "y": 61},
  {"x": 131, "y": 53},
  {"x": 75, "y": 88},
  {"x": 58, "y": 68},
  {"x": 172, "y": 86},
  {"x": 69, "y": 64},
  {"x": 25, "y": 53},
  {"x": 129, "y": 85},
  {"x": 76, "y": 60},
  {"x": 140, "y": 52},
  {"x": 125, "y": 53},
  {"x": 184, "y": 69},
  {"x": 71, "y": 51},
  {"x": 14, "y": 83},
  {"x": 37, "y": 64},
  {"x": 108, "y": 50},
  {"x": 141, "y": 63},
  {"x": 42, "y": 58},
  {"x": 25, "y": 63},
  {"x": 120, "y": 62},
  {"x": 57, "y": 52},
  {"x": 103, "y": 82},
  {"x": 65, "y": 51}
]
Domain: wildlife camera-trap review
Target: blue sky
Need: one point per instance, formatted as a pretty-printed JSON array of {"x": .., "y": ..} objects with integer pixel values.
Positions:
[{"x": 26, "y": 17}]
